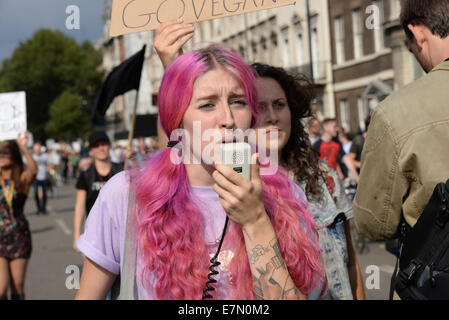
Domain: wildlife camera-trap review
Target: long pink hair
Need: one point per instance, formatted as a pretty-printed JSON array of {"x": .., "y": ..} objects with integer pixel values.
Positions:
[{"x": 171, "y": 226}]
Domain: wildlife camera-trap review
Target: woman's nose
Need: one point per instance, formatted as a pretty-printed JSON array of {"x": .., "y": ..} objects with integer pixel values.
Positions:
[{"x": 227, "y": 118}]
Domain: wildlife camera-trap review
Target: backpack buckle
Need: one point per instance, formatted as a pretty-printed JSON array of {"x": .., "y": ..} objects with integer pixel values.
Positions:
[{"x": 408, "y": 273}]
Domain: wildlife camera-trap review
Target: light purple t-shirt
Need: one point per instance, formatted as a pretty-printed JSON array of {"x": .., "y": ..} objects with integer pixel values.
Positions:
[{"x": 104, "y": 234}]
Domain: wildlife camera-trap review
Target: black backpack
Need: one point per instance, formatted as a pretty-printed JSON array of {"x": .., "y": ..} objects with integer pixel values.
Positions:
[{"x": 424, "y": 259}]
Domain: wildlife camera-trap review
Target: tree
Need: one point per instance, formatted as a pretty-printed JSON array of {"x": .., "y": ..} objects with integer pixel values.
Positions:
[
  {"x": 47, "y": 67},
  {"x": 69, "y": 118}
]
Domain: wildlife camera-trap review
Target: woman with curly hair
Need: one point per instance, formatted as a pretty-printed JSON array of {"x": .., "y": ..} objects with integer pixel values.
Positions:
[
  {"x": 15, "y": 237},
  {"x": 284, "y": 106}
]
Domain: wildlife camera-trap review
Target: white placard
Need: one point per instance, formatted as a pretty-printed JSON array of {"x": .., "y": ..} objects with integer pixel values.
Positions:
[{"x": 13, "y": 115}]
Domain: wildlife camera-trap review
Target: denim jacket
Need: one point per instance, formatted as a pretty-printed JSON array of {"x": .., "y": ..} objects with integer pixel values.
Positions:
[{"x": 329, "y": 215}]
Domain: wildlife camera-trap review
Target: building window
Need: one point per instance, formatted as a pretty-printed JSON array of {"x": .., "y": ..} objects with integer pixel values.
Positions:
[
  {"x": 395, "y": 9},
  {"x": 357, "y": 30},
  {"x": 314, "y": 46},
  {"x": 242, "y": 51},
  {"x": 286, "y": 49},
  {"x": 363, "y": 113},
  {"x": 339, "y": 39},
  {"x": 345, "y": 115},
  {"x": 300, "y": 44},
  {"x": 379, "y": 30}
]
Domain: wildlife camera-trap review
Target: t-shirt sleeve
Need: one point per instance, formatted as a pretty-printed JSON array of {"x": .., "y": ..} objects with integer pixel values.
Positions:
[
  {"x": 102, "y": 240},
  {"x": 81, "y": 183}
]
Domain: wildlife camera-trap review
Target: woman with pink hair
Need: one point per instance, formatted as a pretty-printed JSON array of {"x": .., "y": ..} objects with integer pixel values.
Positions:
[{"x": 271, "y": 247}]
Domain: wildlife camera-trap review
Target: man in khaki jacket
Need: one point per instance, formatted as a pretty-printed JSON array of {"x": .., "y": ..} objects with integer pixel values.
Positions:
[{"x": 406, "y": 153}]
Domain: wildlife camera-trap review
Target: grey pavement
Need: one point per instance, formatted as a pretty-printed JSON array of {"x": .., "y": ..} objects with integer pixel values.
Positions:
[
  {"x": 377, "y": 266},
  {"x": 52, "y": 239},
  {"x": 53, "y": 259}
]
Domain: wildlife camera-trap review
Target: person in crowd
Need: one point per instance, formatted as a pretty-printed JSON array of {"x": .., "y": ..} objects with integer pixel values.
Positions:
[
  {"x": 93, "y": 179},
  {"x": 284, "y": 101},
  {"x": 345, "y": 139},
  {"x": 15, "y": 237},
  {"x": 85, "y": 159},
  {"x": 41, "y": 183},
  {"x": 405, "y": 154},
  {"x": 54, "y": 166},
  {"x": 357, "y": 146},
  {"x": 271, "y": 246},
  {"x": 74, "y": 162},
  {"x": 65, "y": 166},
  {"x": 314, "y": 130},
  {"x": 332, "y": 150}
]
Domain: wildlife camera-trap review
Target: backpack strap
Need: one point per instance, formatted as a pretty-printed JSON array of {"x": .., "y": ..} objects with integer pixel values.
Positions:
[{"x": 123, "y": 288}]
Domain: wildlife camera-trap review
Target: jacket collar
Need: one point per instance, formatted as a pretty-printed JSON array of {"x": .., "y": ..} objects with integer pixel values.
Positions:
[{"x": 442, "y": 66}]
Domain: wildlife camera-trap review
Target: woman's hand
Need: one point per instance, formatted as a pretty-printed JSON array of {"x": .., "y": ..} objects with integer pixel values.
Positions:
[
  {"x": 169, "y": 39},
  {"x": 22, "y": 140},
  {"x": 241, "y": 198}
]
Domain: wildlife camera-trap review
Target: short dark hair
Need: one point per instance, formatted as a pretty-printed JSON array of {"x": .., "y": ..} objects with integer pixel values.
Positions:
[
  {"x": 328, "y": 120},
  {"x": 431, "y": 13},
  {"x": 98, "y": 136}
]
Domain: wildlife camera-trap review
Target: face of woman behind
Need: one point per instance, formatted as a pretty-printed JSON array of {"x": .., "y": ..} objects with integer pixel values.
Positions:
[
  {"x": 218, "y": 103},
  {"x": 5, "y": 158},
  {"x": 275, "y": 116}
]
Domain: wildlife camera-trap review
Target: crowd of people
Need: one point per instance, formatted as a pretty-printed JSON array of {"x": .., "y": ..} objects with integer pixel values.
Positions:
[{"x": 155, "y": 218}]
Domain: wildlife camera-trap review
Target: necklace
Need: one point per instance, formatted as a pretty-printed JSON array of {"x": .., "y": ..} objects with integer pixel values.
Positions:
[
  {"x": 9, "y": 194},
  {"x": 109, "y": 175}
]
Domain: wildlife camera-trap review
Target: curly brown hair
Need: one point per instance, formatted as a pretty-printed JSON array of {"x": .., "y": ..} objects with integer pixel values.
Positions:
[{"x": 298, "y": 154}]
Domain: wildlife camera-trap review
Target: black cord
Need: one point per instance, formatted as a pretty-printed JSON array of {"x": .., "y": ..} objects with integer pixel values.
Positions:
[{"x": 214, "y": 265}]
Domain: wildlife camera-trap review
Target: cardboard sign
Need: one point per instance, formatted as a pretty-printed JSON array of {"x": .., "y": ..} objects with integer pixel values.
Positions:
[
  {"x": 13, "y": 115},
  {"x": 130, "y": 16}
]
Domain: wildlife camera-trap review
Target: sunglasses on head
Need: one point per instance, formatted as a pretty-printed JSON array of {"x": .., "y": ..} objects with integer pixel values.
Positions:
[{"x": 4, "y": 154}]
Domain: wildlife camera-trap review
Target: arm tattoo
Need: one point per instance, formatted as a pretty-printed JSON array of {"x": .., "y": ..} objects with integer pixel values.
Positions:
[{"x": 267, "y": 285}]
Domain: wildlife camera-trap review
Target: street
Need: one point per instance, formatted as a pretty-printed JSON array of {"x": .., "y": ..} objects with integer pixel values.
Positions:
[
  {"x": 52, "y": 239},
  {"x": 54, "y": 264}
]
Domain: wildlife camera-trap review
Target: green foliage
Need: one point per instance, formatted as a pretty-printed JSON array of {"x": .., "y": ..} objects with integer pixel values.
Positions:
[
  {"x": 69, "y": 118},
  {"x": 54, "y": 71}
]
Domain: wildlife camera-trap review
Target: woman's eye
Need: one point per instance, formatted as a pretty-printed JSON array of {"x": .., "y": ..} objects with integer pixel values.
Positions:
[
  {"x": 206, "y": 106},
  {"x": 279, "y": 105},
  {"x": 239, "y": 102}
]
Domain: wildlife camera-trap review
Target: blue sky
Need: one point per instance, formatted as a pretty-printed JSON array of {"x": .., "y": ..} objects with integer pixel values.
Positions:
[{"x": 19, "y": 19}]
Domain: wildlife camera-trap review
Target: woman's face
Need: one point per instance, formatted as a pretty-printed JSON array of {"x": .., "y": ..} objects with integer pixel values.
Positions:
[
  {"x": 218, "y": 103},
  {"x": 5, "y": 158},
  {"x": 274, "y": 112}
]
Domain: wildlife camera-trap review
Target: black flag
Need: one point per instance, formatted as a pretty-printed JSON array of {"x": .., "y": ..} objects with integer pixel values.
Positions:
[{"x": 123, "y": 78}]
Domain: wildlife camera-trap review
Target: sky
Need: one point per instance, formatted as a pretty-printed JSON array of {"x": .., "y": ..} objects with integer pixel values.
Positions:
[{"x": 19, "y": 19}]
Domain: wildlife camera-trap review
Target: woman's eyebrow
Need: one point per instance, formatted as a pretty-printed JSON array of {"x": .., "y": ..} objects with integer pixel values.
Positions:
[
  {"x": 237, "y": 95},
  {"x": 206, "y": 97}
]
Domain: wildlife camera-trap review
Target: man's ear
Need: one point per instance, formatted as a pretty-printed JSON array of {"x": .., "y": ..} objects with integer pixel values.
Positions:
[{"x": 418, "y": 33}]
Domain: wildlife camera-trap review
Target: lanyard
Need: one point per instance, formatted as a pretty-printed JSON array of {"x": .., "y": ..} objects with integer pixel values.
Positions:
[
  {"x": 109, "y": 175},
  {"x": 9, "y": 194}
]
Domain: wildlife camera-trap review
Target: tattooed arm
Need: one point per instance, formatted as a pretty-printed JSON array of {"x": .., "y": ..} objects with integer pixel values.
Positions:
[
  {"x": 271, "y": 280},
  {"x": 243, "y": 202}
]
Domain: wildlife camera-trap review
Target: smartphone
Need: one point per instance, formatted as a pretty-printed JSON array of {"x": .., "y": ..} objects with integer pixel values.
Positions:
[{"x": 237, "y": 156}]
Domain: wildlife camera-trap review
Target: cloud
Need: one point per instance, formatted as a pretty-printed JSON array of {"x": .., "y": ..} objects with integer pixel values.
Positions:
[{"x": 19, "y": 19}]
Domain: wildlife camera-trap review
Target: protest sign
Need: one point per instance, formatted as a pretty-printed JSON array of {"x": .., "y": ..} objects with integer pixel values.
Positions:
[
  {"x": 130, "y": 16},
  {"x": 13, "y": 116}
]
